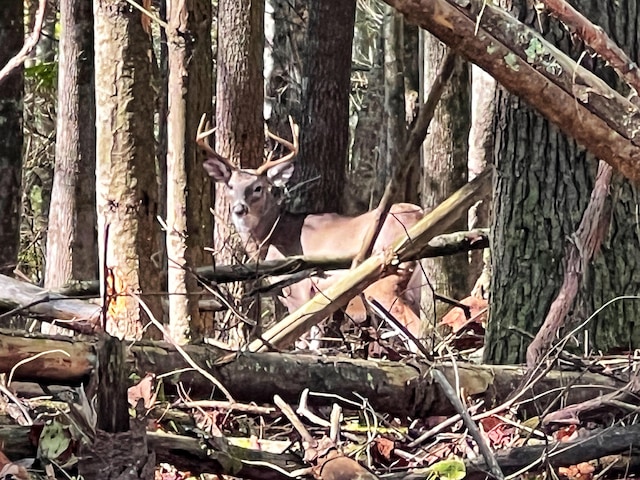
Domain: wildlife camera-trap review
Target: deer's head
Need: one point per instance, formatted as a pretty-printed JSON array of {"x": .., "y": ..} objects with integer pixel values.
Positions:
[{"x": 254, "y": 194}]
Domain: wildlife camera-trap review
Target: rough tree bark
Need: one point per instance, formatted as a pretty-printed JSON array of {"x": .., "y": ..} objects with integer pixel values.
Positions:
[
  {"x": 72, "y": 251},
  {"x": 445, "y": 153},
  {"x": 364, "y": 185},
  {"x": 126, "y": 189},
  {"x": 188, "y": 198},
  {"x": 324, "y": 127},
  {"x": 239, "y": 119},
  {"x": 544, "y": 184},
  {"x": 11, "y": 137}
]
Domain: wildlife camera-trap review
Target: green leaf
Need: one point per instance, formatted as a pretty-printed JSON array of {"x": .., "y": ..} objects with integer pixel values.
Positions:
[
  {"x": 44, "y": 74},
  {"x": 54, "y": 440},
  {"x": 450, "y": 469}
]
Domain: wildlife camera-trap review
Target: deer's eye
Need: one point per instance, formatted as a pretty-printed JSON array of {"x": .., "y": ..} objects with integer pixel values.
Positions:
[{"x": 257, "y": 189}]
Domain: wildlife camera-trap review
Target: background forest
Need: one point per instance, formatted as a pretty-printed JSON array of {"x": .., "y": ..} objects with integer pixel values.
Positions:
[{"x": 104, "y": 195}]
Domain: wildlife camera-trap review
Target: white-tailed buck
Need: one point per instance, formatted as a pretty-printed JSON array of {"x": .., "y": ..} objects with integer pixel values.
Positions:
[{"x": 269, "y": 232}]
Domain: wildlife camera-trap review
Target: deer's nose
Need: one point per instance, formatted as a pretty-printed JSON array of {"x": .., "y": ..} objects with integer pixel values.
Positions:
[{"x": 240, "y": 209}]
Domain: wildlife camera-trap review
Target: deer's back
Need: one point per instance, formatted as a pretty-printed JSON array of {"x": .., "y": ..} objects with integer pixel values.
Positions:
[{"x": 336, "y": 235}]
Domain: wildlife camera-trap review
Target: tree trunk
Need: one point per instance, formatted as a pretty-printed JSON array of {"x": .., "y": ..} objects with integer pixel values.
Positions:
[
  {"x": 394, "y": 107},
  {"x": 544, "y": 183},
  {"x": 126, "y": 190},
  {"x": 11, "y": 136},
  {"x": 445, "y": 170},
  {"x": 285, "y": 30},
  {"x": 412, "y": 69},
  {"x": 368, "y": 152},
  {"x": 481, "y": 143},
  {"x": 239, "y": 105},
  {"x": 72, "y": 251},
  {"x": 324, "y": 131},
  {"x": 187, "y": 198}
]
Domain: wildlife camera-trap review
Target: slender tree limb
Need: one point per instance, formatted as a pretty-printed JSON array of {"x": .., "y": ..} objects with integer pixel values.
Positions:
[
  {"x": 452, "y": 395},
  {"x": 596, "y": 38},
  {"x": 581, "y": 249},
  {"x": 441, "y": 245},
  {"x": 29, "y": 44},
  {"x": 416, "y": 137}
]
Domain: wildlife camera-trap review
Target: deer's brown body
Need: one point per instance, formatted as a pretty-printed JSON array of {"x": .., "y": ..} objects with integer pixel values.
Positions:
[{"x": 270, "y": 233}]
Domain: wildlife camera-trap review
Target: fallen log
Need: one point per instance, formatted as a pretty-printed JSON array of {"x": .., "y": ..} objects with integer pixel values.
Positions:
[
  {"x": 397, "y": 388},
  {"x": 26, "y": 298},
  {"x": 579, "y": 103}
]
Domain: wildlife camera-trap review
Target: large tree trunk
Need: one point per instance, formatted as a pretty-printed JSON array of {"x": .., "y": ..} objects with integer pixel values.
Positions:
[
  {"x": 544, "y": 182},
  {"x": 445, "y": 169},
  {"x": 72, "y": 251},
  {"x": 126, "y": 190},
  {"x": 11, "y": 95},
  {"x": 239, "y": 119},
  {"x": 324, "y": 132},
  {"x": 187, "y": 198}
]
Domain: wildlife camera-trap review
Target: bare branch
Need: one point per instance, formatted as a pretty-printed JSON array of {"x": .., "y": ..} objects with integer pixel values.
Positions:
[{"x": 29, "y": 44}]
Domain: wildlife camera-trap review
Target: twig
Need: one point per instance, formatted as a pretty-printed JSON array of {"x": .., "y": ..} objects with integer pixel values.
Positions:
[
  {"x": 308, "y": 414},
  {"x": 29, "y": 44},
  {"x": 486, "y": 452},
  {"x": 334, "y": 432},
  {"x": 17, "y": 402},
  {"x": 293, "y": 418},
  {"x": 238, "y": 407},
  {"x": 30, "y": 359},
  {"x": 382, "y": 312}
]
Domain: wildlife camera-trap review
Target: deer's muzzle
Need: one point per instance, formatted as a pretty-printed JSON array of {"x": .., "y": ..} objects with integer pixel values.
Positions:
[{"x": 240, "y": 209}]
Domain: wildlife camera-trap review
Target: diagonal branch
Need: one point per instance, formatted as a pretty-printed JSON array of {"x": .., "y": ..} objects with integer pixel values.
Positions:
[{"x": 29, "y": 44}]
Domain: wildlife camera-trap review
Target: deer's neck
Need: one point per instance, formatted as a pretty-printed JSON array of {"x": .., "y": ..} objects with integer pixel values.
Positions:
[{"x": 282, "y": 232}]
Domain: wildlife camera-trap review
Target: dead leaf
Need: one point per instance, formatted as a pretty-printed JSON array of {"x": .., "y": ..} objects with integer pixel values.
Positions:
[
  {"x": 384, "y": 447},
  {"x": 144, "y": 390},
  {"x": 457, "y": 320}
]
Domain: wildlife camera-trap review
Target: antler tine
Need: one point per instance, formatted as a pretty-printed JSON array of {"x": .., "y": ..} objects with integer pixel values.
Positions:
[
  {"x": 293, "y": 147},
  {"x": 202, "y": 140}
]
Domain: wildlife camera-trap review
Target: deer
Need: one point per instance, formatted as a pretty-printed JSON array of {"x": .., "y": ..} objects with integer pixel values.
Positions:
[{"x": 268, "y": 231}]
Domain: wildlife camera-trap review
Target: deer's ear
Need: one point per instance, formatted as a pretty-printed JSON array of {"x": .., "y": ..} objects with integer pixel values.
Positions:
[
  {"x": 217, "y": 169},
  {"x": 279, "y": 175}
]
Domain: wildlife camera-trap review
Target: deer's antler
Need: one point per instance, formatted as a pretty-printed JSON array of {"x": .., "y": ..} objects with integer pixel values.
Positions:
[
  {"x": 202, "y": 140},
  {"x": 293, "y": 147}
]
